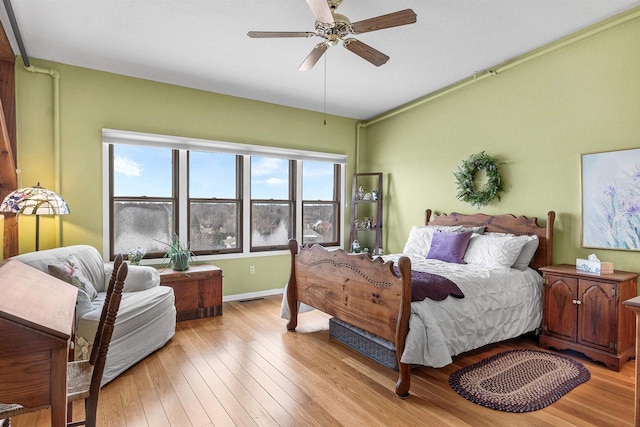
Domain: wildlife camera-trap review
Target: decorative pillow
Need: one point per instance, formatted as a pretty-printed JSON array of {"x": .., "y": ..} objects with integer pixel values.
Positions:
[
  {"x": 71, "y": 272},
  {"x": 449, "y": 247},
  {"x": 527, "y": 253},
  {"x": 419, "y": 241},
  {"x": 495, "y": 251}
]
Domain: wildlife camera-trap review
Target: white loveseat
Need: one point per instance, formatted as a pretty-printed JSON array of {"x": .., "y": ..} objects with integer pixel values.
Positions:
[{"x": 147, "y": 316}]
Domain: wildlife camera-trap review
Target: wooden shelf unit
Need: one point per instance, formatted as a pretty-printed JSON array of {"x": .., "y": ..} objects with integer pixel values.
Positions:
[{"x": 363, "y": 206}]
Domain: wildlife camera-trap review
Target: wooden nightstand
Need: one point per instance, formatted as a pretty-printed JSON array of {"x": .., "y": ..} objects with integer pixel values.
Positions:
[
  {"x": 198, "y": 291},
  {"x": 584, "y": 312}
]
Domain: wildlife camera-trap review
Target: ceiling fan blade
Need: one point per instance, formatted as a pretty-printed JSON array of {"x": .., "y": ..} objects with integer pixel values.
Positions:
[
  {"x": 313, "y": 57},
  {"x": 381, "y": 22},
  {"x": 365, "y": 51},
  {"x": 270, "y": 34},
  {"x": 320, "y": 9}
]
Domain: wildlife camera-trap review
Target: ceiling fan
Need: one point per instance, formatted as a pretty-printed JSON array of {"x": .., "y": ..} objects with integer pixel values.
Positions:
[{"x": 334, "y": 27}]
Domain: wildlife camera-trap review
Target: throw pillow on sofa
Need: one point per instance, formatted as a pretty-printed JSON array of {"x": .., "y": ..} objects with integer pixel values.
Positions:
[{"x": 70, "y": 271}]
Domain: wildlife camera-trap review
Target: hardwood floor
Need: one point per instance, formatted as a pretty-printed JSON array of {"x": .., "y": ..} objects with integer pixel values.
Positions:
[{"x": 243, "y": 368}]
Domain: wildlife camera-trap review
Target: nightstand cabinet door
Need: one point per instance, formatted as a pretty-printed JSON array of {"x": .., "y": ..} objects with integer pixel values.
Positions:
[
  {"x": 583, "y": 312},
  {"x": 598, "y": 314},
  {"x": 560, "y": 314}
]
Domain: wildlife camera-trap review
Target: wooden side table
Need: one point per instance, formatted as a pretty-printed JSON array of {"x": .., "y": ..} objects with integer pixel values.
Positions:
[
  {"x": 583, "y": 312},
  {"x": 198, "y": 291}
]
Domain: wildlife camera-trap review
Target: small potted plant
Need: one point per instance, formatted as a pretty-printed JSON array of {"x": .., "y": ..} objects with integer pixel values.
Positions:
[
  {"x": 178, "y": 254},
  {"x": 135, "y": 255}
]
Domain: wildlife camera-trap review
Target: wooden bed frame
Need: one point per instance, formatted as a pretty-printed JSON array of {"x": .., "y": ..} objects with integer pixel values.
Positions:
[{"x": 368, "y": 294}]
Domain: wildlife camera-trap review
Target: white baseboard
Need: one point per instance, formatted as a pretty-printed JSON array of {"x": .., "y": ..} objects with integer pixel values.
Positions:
[{"x": 252, "y": 295}]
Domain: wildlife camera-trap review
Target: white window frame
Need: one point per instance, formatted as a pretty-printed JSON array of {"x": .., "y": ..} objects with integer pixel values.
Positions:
[{"x": 183, "y": 145}]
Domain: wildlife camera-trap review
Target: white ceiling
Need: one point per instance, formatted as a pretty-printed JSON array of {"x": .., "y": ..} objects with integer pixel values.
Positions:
[{"x": 203, "y": 44}]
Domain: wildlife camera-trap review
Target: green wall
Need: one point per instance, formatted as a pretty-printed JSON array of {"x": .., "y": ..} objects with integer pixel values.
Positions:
[
  {"x": 91, "y": 100},
  {"x": 538, "y": 118}
]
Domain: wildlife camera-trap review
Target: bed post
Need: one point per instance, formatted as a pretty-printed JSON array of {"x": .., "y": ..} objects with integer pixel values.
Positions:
[
  {"x": 292, "y": 299},
  {"x": 551, "y": 216},
  {"x": 427, "y": 216},
  {"x": 402, "y": 328}
]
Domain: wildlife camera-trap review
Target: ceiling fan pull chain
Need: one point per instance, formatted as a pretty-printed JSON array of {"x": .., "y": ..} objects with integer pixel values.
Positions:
[{"x": 325, "y": 91}]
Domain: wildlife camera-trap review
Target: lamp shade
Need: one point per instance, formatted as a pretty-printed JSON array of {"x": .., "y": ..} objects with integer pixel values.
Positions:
[{"x": 34, "y": 200}]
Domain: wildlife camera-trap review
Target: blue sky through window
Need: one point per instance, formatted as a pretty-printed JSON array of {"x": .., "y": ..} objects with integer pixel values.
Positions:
[
  {"x": 212, "y": 175},
  {"x": 146, "y": 171},
  {"x": 141, "y": 171},
  {"x": 269, "y": 178},
  {"x": 317, "y": 180}
]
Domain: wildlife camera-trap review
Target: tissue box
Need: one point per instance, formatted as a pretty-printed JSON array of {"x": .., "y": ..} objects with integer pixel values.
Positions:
[{"x": 595, "y": 267}]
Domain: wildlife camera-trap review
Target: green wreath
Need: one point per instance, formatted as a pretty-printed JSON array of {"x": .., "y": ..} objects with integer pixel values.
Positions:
[{"x": 465, "y": 179}]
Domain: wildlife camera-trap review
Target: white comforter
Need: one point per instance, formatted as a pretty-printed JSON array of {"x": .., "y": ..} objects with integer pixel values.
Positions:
[{"x": 498, "y": 305}]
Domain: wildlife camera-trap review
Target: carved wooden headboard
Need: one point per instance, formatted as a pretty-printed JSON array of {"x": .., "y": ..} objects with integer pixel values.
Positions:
[{"x": 506, "y": 223}]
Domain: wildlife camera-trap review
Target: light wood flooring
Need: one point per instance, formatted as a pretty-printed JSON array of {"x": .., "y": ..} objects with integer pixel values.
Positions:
[{"x": 243, "y": 368}]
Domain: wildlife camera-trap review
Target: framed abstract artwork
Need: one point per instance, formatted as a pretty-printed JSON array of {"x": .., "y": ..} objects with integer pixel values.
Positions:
[{"x": 611, "y": 200}]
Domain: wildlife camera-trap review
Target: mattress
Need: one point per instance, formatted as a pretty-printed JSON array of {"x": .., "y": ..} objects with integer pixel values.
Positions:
[{"x": 499, "y": 304}]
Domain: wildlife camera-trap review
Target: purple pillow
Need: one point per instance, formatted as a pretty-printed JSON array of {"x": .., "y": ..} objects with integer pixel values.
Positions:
[{"x": 449, "y": 247}]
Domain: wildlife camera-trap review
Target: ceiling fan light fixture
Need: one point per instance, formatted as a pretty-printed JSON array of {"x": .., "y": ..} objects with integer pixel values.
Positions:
[
  {"x": 333, "y": 39},
  {"x": 333, "y": 27}
]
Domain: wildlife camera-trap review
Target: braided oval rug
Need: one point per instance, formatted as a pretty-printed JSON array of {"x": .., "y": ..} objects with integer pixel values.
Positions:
[{"x": 519, "y": 380}]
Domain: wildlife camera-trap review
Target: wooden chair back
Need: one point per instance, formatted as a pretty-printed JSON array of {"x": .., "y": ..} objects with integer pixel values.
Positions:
[
  {"x": 112, "y": 281},
  {"x": 107, "y": 330}
]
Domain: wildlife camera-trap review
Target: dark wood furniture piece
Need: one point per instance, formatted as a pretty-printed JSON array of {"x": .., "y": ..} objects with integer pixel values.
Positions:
[
  {"x": 583, "y": 312},
  {"x": 84, "y": 377},
  {"x": 367, "y": 294},
  {"x": 36, "y": 322},
  {"x": 633, "y": 305},
  {"x": 198, "y": 291},
  {"x": 367, "y": 207}
]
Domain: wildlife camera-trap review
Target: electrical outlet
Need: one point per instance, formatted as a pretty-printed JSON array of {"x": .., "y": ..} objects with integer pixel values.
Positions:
[{"x": 252, "y": 269}]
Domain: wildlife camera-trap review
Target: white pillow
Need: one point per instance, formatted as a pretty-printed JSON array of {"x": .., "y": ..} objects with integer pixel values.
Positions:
[
  {"x": 419, "y": 240},
  {"x": 139, "y": 277},
  {"x": 494, "y": 251},
  {"x": 527, "y": 253}
]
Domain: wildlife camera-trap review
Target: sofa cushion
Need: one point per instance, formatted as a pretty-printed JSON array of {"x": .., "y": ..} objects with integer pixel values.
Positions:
[
  {"x": 136, "y": 309},
  {"x": 146, "y": 321},
  {"x": 88, "y": 257},
  {"x": 71, "y": 272}
]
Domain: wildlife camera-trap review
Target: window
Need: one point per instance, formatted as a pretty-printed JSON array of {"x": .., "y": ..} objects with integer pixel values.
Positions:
[
  {"x": 272, "y": 204},
  {"x": 143, "y": 208},
  {"x": 215, "y": 207},
  {"x": 223, "y": 199},
  {"x": 320, "y": 202}
]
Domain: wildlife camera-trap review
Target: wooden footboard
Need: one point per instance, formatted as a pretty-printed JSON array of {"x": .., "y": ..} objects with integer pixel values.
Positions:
[{"x": 357, "y": 289}]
